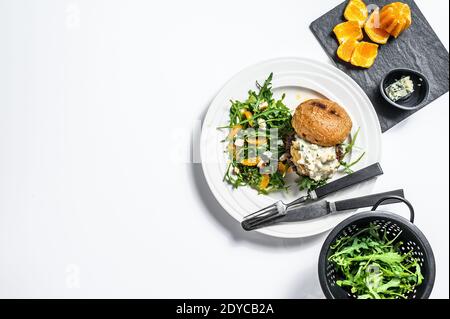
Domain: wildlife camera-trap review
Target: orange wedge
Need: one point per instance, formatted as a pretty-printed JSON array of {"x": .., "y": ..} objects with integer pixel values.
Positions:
[
  {"x": 364, "y": 54},
  {"x": 249, "y": 116},
  {"x": 395, "y": 18},
  {"x": 346, "y": 49},
  {"x": 257, "y": 141},
  {"x": 265, "y": 180},
  {"x": 251, "y": 161},
  {"x": 282, "y": 168},
  {"x": 234, "y": 131},
  {"x": 356, "y": 10},
  {"x": 373, "y": 30},
  {"x": 349, "y": 30}
]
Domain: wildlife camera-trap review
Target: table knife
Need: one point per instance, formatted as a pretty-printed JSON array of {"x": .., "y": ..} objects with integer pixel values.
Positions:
[
  {"x": 323, "y": 208},
  {"x": 279, "y": 208}
]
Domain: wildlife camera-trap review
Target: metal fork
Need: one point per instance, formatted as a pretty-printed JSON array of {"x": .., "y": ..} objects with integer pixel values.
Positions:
[{"x": 279, "y": 209}]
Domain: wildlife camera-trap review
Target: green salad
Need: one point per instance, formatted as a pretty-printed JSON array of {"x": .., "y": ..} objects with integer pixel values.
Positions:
[
  {"x": 373, "y": 267},
  {"x": 258, "y": 127}
]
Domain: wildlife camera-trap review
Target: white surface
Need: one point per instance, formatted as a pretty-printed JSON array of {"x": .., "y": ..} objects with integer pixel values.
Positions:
[
  {"x": 92, "y": 93},
  {"x": 299, "y": 79}
]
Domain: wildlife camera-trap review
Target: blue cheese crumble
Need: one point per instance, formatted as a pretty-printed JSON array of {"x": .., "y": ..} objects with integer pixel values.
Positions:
[{"x": 400, "y": 88}]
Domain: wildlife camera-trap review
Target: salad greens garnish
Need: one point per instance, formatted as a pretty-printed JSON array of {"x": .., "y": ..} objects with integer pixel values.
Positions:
[
  {"x": 258, "y": 127},
  {"x": 373, "y": 267},
  {"x": 347, "y": 150},
  {"x": 309, "y": 184}
]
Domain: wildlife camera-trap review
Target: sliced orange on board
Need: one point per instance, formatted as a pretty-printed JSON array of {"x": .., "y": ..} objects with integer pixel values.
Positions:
[
  {"x": 346, "y": 49},
  {"x": 356, "y": 10},
  {"x": 364, "y": 54},
  {"x": 348, "y": 30},
  {"x": 391, "y": 20},
  {"x": 395, "y": 18},
  {"x": 373, "y": 30}
]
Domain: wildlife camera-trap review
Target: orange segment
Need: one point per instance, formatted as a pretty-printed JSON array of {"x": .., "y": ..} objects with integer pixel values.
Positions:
[
  {"x": 364, "y": 55},
  {"x": 249, "y": 116},
  {"x": 348, "y": 30},
  {"x": 372, "y": 28},
  {"x": 250, "y": 161},
  {"x": 282, "y": 168},
  {"x": 234, "y": 131},
  {"x": 346, "y": 49},
  {"x": 356, "y": 10},
  {"x": 395, "y": 18},
  {"x": 257, "y": 141},
  {"x": 265, "y": 180}
]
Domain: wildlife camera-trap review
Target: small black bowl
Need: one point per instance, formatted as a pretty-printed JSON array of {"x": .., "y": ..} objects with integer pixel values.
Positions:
[{"x": 416, "y": 99}]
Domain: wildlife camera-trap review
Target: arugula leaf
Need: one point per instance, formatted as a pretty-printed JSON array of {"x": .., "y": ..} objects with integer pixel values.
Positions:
[
  {"x": 347, "y": 150},
  {"x": 309, "y": 184}
]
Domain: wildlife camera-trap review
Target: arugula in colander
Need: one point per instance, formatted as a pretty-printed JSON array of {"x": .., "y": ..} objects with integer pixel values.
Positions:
[{"x": 373, "y": 267}]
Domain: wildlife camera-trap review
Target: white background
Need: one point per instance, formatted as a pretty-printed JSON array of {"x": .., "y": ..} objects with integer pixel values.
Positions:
[{"x": 98, "y": 105}]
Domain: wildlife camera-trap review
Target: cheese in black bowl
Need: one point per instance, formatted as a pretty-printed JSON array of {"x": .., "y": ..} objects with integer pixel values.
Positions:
[{"x": 405, "y": 89}]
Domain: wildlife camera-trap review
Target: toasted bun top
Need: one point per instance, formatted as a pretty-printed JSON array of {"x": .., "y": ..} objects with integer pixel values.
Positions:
[{"x": 322, "y": 122}]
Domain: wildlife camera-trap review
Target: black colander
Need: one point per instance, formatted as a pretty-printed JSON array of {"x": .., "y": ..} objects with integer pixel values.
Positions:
[{"x": 412, "y": 238}]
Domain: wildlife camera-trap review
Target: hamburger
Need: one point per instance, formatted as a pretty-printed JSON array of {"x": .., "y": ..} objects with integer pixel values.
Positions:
[{"x": 321, "y": 126}]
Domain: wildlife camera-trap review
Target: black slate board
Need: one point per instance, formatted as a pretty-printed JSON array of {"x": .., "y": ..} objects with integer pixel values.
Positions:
[{"x": 417, "y": 48}]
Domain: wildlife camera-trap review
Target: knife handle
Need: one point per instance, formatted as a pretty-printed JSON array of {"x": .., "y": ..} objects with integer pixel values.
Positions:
[
  {"x": 368, "y": 201},
  {"x": 360, "y": 176}
]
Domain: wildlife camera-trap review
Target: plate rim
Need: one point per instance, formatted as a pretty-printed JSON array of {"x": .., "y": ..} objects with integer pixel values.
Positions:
[{"x": 204, "y": 128}]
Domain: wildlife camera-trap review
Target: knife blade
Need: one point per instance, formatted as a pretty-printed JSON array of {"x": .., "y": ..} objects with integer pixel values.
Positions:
[{"x": 324, "y": 208}]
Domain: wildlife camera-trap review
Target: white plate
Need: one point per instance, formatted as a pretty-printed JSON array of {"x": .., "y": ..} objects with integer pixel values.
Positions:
[{"x": 300, "y": 79}]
